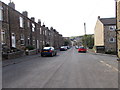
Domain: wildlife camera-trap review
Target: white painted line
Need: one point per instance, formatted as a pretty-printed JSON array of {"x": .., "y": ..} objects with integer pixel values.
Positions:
[{"x": 109, "y": 66}]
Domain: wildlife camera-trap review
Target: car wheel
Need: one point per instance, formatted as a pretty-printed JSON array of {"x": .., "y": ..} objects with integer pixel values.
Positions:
[
  {"x": 52, "y": 55},
  {"x": 55, "y": 53},
  {"x": 42, "y": 55}
]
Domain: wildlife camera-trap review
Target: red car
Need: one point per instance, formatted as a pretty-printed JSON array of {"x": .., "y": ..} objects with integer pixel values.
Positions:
[{"x": 82, "y": 49}]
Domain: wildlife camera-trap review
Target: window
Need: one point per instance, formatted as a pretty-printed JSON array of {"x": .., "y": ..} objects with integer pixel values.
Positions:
[
  {"x": 112, "y": 40},
  {"x": 112, "y": 28},
  {"x": 21, "y": 22},
  {"x": 1, "y": 13},
  {"x": 33, "y": 40},
  {"x": 13, "y": 40},
  {"x": 33, "y": 27},
  {"x": 3, "y": 37},
  {"x": 28, "y": 23},
  {"x": 28, "y": 40},
  {"x": 22, "y": 39},
  {"x": 45, "y": 32},
  {"x": 49, "y": 33},
  {"x": 40, "y": 31}
]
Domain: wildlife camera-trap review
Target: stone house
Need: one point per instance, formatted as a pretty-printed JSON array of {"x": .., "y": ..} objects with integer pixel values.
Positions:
[
  {"x": 18, "y": 31},
  {"x": 4, "y": 24},
  {"x": 105, "y": 35}
]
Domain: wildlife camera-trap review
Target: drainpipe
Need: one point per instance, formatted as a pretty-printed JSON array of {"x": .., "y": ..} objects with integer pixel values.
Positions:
[{"x": 116, "y": 26}]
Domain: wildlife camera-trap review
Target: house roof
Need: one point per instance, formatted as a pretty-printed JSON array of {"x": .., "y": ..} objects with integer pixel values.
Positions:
[{"x": 108, "y": 21}]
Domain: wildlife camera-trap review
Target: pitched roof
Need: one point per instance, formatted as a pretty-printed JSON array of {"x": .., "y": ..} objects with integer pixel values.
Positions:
[{"x": 108, "y": 21}]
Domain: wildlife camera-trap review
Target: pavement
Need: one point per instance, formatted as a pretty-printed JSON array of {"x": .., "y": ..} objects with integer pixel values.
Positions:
[
  {"x": 18, "y": 60},
  {"x": 108, "y": 59}
]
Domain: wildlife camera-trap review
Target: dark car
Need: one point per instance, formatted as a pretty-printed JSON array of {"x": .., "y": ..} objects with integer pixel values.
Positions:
[
  {"x": 48, "y": 51},
  {"x": 82, "y": 49},
  {"x": 63, "y": 48}
]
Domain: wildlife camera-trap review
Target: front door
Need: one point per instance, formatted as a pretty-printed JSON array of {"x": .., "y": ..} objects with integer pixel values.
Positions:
[{"x": 13, "y": 40}]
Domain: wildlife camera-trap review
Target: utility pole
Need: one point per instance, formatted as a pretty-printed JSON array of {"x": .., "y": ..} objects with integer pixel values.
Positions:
[{"x": 85, "y": 42}]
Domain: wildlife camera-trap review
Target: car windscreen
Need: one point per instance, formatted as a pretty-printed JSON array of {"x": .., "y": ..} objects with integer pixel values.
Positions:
[
  {"x": 46, "y": 48},
  {"x": 82, "y": 47}
]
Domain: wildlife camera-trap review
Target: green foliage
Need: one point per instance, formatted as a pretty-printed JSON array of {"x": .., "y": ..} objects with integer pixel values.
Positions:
[
  {"x": 67, "y": 42},
  {"x": 30, "y": 47},
  {"x": 111, "y": 52},
  {"x": 88, "y": 40}
]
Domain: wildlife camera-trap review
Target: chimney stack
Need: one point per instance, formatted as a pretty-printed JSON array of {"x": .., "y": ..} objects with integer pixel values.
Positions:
[
  {"x": 25, "y": 13},
  {"x": 98, "y": 17},
  {"x": 43, "y": 24},
  {"x": 33, "y": 19},
  {"x": 12, "y": 5},
  {"x": 39, "y": 21}
]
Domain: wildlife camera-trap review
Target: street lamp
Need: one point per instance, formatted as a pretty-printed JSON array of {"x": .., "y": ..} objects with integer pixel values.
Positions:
[{"x": 85, "y": 42}]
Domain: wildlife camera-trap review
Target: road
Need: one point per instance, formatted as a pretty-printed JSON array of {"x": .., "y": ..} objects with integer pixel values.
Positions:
[{"x": 69, "y": 69}]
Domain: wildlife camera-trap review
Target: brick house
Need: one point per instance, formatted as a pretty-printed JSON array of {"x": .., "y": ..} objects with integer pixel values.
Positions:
[
  {"x": 118, "y": 27},
  {"x": 105, "y": 35},
  {"x": 4, "y": 20},
  {"x": 18, "y": 31}
]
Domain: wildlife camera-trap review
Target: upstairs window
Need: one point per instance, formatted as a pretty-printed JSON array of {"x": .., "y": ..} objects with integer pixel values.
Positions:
[
  {"x": 28, "y": 23},
  {"x": 33, "y": 27},
  {"x": 112, "y": 28},
  {"x": 112, "y": 40},
  {"x": 3, "y": 37},
  {"x": 40, "y": 31},
  {"x": 21, "y": 22},
  {"x": 1, "y": 13},
  {"x": 46, "y": 32}
]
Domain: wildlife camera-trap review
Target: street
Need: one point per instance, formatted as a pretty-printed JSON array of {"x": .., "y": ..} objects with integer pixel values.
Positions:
[{"x": 69, "y": 69}]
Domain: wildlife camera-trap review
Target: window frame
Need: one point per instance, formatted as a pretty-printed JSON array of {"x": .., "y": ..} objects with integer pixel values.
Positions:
[
  {"x": 112, "y": 41},
  {"x": 21, "y": 20},
  {"x": 1, "y": 13},
  {"x": 112, "y": 28},
  {"x": 33, "y": 27}
]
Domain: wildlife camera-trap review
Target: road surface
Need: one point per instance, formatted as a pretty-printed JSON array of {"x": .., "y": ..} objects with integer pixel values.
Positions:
[{"x": 69, "y": 69}]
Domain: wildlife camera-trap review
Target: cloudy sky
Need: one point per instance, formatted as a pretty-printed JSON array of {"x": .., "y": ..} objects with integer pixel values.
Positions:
[{"x": 67, "y": 16}]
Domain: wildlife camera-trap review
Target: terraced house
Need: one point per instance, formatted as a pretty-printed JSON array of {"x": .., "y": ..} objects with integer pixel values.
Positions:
[
  {"x": 20, "y": 33},
  {"x": 105, "y": 35},
  {"x": 118, "y": 26}
]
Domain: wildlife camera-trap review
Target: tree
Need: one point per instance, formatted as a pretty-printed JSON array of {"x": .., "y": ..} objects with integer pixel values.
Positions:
[
  {"x": 88, "y": 40},
  {"x": 67, "y": 42}
]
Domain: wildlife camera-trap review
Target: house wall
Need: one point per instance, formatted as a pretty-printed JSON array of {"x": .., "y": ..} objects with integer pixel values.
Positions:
[
  {"x": 99, "y": 34},
  {"x": 107, "y": 35},
  {"x": 13, "y": 30}
]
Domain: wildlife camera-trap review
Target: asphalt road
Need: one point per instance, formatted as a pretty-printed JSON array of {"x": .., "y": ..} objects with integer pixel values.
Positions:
[{"x": 69, "y": 69}]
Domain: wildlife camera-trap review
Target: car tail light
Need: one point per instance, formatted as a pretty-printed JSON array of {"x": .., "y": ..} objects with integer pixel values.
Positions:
[{"x": 50, "y": 50}]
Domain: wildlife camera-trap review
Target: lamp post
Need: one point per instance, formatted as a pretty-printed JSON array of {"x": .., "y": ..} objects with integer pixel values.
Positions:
[
  {"x": 116, "y": 25},
  {"x": 85, "y": 42}
]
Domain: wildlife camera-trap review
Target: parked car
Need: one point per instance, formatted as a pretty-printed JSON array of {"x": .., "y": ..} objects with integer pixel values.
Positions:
[
  {"x": 63, "y": 48},
  {"x": 76, "y": 47},
  {"x": 48, "y": 51},
  {"x": 82, "y": 49}
]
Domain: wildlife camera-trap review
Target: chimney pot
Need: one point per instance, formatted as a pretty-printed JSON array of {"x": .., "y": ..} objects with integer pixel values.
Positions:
[
  {"x": 33, "y": 19},
  {"x": 12, "y": 5},
  {"x": 25, "y": 13}
]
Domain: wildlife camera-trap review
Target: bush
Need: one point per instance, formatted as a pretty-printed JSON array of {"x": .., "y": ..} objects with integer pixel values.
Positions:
[
  {"x": 30, "y": 47},
  {"x": 111, "y": 52}
]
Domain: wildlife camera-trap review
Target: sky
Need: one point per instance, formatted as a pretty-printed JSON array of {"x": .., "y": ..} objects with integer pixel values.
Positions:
[{"x": 67, "y": 16}]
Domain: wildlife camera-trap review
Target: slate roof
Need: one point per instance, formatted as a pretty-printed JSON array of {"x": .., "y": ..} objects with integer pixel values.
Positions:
[{"x": 108, "y": 21}]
